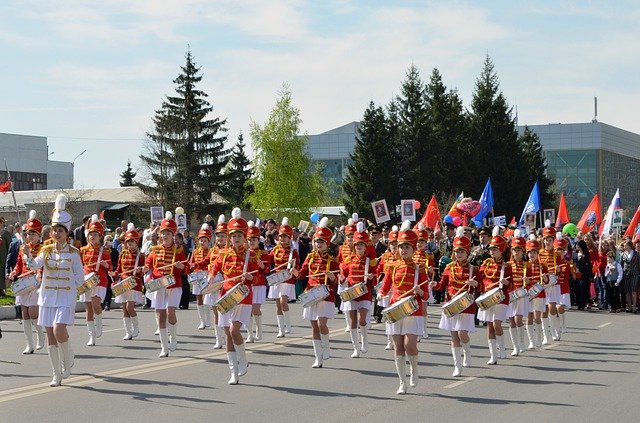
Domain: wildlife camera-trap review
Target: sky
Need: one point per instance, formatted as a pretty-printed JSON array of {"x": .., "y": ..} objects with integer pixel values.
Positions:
[{"x": 90, "y": 74}]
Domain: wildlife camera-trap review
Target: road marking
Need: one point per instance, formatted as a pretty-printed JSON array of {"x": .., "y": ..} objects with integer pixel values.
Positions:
[
  {"x": 604, "y": 325},
  {"x": 460, "y": 382},
  {"x": 84, "y": 380},
  {"x": 548, "y": 347}
]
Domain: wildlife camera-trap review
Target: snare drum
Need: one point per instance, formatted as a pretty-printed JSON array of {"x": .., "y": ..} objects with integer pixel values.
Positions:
[
  {"x": 401, "y": 309},
  {"x": 535, "y": 290},
  {"x": 458, "y": 304},
  {"x": 491, "y": 298},
  {"x": 198, "y": 280},
  {"x": 232, "y": 298},
  {"x": 279, "y": 277},
  {"x": 516, "y": 294},
  {"x": 90, "y": 281},
  {"x": 213, "y": 284},
  {"x": 162, "y": 282},
  {"x": 354, "y": 292},
  {"x": 314, "y": 295},
  {"x": 124, "y": 286},
  {"x": 25, "y": 285}
]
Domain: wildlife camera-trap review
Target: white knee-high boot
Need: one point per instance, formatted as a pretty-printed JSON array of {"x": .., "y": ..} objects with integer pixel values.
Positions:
[
  {"x": 531, "y": 334},
  {"x": 502, "y": 353},
  {"x": 326, "y": 349},
  {"x": 425, "y": 333},
  {"x": 173, "y": 337},
  {"x": 54, "y": 356},
  {"x": 515, "y": 341},
  {"x": 164, "y": 343},
  {"x": 287, "y": 322},
  {"x": 538, "y": 335},
  {"x": 67, "y": 358},
  {"x": 364, "y": 338},
  {"x": 127, "y": 328},
  {"x": 258, "y": 319},
  {"x": 389, "y": 345},
  {"x": 413, "y": 370},
  {"x": 219, "y": 335},
  {"x": 28, "y": 333},
  {"x": 41, "y": 338},
  {"x": 98, "y": 320},
  {"x": 456, "y": 352},
  {"x": 466, "y": 350},
  {"x": 347, "y": 320},
  {"x": 555, "y": 327},
  {"x": 250, "y": 337},
  {"x": 135, "y": 326},
  {"x": 233, "y": 368},
  {"x": 91, "y": 328},
  {"x": 202, "y": 316},
  {"x": 353, "y": 334},
  {"x": 563, "y": 323},
  {"x": 401, "y": 368},
  {"x": 521, "y": 338},
  {"x": 207, "y": 315},
  {"x": 243, "y": 364},
  {"x": 493, "y": 359},
  {"x": 546, "y": 335},
  {"x": 280, "y": 319},
  {"x": 317, "y": 351}
]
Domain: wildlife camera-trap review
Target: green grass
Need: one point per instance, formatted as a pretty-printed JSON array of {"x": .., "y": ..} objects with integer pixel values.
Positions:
[{"x": 8, "y": 298}]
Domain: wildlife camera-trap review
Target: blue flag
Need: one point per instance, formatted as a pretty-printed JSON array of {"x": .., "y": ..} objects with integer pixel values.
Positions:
[
  {"x": 486, "y": 204},
  {"x": 533, "y": 203}
]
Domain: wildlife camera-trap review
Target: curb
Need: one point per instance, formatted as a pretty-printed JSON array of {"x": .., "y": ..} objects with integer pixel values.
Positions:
[{"x": 10, "y": 312}]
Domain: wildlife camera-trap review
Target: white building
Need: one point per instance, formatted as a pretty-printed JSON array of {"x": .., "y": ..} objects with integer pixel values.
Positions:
[{"x": 28, "y": 161}]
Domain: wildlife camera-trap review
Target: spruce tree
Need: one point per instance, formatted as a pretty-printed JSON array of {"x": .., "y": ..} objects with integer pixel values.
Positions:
[
  {"x": 185, "y": 153},
  {"x": 536, "y": 165},
  {"x": 413, "y": 137},
  {"x": 128, "y": 176},
  {"x": 493, "y": 147},
  {"x": 369, "y": 175},
  {"x": 396, "y": 154},
  {"x": 238, "y": 174}
]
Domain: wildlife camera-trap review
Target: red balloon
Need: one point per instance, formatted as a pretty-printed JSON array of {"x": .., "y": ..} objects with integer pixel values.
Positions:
[
  {"x": 469, "y": 208},
  {"x": 457, "y": 221},
  {"x": 416, "y": 205}
]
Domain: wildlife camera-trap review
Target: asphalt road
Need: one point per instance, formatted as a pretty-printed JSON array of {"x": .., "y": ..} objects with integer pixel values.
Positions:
[{"x": 590, "y": 375}]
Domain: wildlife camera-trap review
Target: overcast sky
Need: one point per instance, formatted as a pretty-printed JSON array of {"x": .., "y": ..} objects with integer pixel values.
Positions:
[{"x": 90, "y": 74}]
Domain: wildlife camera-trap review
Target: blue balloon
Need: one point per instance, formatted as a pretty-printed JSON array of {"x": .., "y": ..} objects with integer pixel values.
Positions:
[
  {"x": 448, "y": 219},
  {"x": 315, "y": 217}
]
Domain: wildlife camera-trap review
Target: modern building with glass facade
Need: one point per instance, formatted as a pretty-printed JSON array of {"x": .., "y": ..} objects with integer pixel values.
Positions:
[
  {"x": 583, "y": 158},
  {"x": 28, "y": 162}
]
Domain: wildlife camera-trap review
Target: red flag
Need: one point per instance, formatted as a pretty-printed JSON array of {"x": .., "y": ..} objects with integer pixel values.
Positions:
[
  {"x": 509, "y": 232},
  {"x": 432, "y": 216},
  {"x": 633, "y": 226},
  {"x": 563, "y": 214},
  {"x": 591, "y": 217},
  {"x": 102, "y": 215},
  {"x": 5, "y": 187}
]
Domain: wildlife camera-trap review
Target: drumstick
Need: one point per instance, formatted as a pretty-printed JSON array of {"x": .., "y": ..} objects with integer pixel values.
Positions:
[
  {"x": 279, "y": 266},
  {"x": 240, "y": 276},
  {"x": 411, "y": 291},
  {"x": 315, "y": 275},
  {"x": 170, "y": 265}
]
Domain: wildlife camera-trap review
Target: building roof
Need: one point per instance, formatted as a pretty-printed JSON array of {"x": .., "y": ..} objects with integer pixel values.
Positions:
[{"x": 110, "y": 195}]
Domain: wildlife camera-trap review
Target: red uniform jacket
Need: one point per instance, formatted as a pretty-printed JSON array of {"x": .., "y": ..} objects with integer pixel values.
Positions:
[
  {"x": 490, "y": 274},
  {"x": 231, "y": 263},
  {"x": 89, "y": 255},
  {"x": 455, "y": 276},
  {"x": 319, "y": 263},
  {"x": 280, "y": 255},
  {"x": 401, "y": 279},
  {"x": 126, "y": 264},
  {"x": 161, "y": 257},
  {"x": 354, "y": 272}
]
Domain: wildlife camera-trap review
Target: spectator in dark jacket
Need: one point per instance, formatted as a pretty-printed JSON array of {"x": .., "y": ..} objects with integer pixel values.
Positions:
[{"x": 583, "y": 263}]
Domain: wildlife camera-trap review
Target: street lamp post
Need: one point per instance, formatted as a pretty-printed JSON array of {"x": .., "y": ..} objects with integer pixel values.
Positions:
[{"x": 73, "y": 167}]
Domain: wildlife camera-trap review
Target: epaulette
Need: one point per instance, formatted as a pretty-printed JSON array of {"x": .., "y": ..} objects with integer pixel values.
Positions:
[
  {"x": 449, "y": 265},
  {"x": 73, "y": 249}
]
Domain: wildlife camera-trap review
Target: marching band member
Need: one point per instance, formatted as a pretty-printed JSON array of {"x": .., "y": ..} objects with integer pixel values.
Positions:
[
  {"x": 167, "y": 260},
  {"x": 29, "y": 302},
  {"x": 495, "y": 273},
  {"x": 96, "y": 258},
  {"x": 359, "y": 270},
  {"x": 424, "y": 259},
  {"x": 284, "y": 254},
  {"x": 345, "y": 251},
  {"x": 405, "y": 279},
  {"x": 259, "y": 288},
  {"x": 520, "y": 307},
  {"x": 321, "y": 268},
  {"x": 222, "y": 242},
  {"x": 535, "y": 273},
  {"x": 200, "y": 259},
  {"x": 553, "y": 260},
  {"x": 459, "y": 275},
  {"x": 560, "y": 244},
  {"x": 387, "y": 262},
  {"x": 238, "y": 265},
  {"x": 130, "y": 264},
  {"x": 62, "y": 274}
]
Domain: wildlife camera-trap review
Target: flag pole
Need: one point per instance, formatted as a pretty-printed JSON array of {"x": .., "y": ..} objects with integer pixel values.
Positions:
[{"x": 13, "y": 193}]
